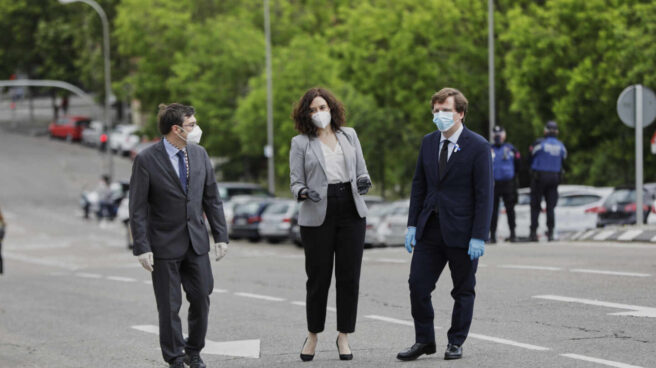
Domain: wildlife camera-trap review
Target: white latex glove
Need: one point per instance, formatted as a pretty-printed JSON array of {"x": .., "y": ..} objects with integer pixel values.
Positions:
[
  {"x": 146, "y": 260},
  {"x": 219, "y": 250}
]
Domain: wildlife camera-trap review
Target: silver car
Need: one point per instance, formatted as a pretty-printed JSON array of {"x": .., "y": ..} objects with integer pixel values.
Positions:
[
  {"x": 393, "y": 226},
  {"x": 277, "y": 220}
]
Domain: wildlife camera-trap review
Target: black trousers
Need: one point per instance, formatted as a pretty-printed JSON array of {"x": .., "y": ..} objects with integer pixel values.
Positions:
[
  {"x": 544, "y": 184},
  {"x": 340, "y": 237},
  {"x": 194, "y": 273},
  {"x": 504, "y": 189},
  {"x": 430, "y": 256},
  {"x": 1, "y": 266}
]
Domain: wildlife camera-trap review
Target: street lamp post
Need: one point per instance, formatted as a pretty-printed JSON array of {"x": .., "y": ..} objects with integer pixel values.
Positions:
[
  {"x": 108, "y": 80},
  {"x": 490, "y": 48},
  {"x": 269, "y": 151}
]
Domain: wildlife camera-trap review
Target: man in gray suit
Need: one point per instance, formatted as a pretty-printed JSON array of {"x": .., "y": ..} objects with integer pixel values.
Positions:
[{"x": 172, "y": 184}]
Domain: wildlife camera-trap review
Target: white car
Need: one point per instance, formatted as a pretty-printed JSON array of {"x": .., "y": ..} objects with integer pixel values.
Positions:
[
  {"x": 91, "y": 134},
  {"x": 575, "y": 211},
  {"x": 393, "y": 226},
  {"x": 277, "y": 220},
  {"x": 123, "y": 139},
  {"x": 374, "y": 216}
]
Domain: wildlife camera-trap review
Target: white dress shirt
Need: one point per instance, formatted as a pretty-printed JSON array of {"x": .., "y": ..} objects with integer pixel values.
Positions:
[
  {"x": 451, "y": 142},
  {"x": 335, "y": 164}
]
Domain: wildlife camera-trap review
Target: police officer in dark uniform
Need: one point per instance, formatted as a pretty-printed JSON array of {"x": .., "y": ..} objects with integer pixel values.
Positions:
[
  {"x": 547, "y": 157},
  {"x": 506, "y": 164}
]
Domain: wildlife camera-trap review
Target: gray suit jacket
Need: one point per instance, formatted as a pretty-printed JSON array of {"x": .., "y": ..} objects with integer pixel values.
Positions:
[
  {"x": 307, "y": 168},
  {"x": 163, "y": 218}
]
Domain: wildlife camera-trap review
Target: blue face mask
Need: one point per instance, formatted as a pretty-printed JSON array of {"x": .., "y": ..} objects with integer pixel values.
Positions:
[{"x": 443, "y": 120}]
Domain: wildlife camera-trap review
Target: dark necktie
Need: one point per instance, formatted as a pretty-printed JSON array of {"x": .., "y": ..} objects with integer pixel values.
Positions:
[
  {"x": 444, "y": 156},
  {"x": 182, "y": 166}
]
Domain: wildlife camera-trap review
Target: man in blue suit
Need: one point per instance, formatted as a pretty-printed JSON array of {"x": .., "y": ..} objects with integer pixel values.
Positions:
[{"x": 449, "y": 221}]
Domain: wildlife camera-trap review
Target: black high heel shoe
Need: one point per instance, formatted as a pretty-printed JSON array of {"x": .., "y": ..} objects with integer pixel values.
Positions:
[
  {"x": 343, "y": 356},
  {"x": 306, "y": 357}
]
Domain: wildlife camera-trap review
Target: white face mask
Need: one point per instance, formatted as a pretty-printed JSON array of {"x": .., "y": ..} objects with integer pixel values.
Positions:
[
  {"x": 193, "y": 136},
  {"x": 321, "y": 119}
]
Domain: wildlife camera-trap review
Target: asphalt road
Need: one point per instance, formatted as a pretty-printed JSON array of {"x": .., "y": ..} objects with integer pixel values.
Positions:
[{"x": 73, "y": 296}]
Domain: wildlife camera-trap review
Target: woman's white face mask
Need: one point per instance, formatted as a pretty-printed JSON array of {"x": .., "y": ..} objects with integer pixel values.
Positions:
[{"x": 321, "y": 119}]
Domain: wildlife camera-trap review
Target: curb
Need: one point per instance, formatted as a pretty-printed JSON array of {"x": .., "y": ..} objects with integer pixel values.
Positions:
[{"x": 627, "y": 234}]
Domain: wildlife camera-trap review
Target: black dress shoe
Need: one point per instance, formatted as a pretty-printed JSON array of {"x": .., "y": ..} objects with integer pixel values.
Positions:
[
  {"x": 306, "y": 357},
  {"x": 453, "y": 352},
  {"x": 178, "y": 363},
  {"x": 193, "y": 360},
  {"x": 343, "y": 356},
  {"x": 416, "y": 350}
]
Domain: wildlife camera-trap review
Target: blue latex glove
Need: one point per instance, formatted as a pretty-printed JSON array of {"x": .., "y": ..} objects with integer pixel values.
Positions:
[
  {"x": 476, "y": 248},
  {"x": 410, "y": 238}
]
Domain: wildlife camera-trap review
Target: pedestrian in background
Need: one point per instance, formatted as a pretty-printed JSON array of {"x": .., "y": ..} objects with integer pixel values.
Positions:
[
  {"x": 328, "y": 174},
  {"x": 172, "y": 185},
  {"x": 448, "y": 221},
  {"x": 546, "y": 161},
  {"x": 505, "y": 160},
  {"x": 3, "y": 227}
]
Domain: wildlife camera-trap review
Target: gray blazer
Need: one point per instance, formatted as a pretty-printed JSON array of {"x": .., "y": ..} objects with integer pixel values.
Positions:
[
  {"x": 163, "y": 218},
  {"x": 307, "y": 169}
]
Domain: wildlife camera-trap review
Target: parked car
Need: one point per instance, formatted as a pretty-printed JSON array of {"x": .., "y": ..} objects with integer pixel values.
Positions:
[
  {"x": 295, "y": 229},
  {"x": 69, "y": 127},
  {"x": 277, "y": 219},
  {"x": 91, "y": 134},
  {"x": 229, "y": 189},
  {"x": 573, "y": 212},
  {"x": 620, "y": 207},
  {"x": 123, "y": 138},
  {"x": 246, "y": 219},
  {"x": 393, "y": 225},
  {"x": 229, "y": 207},
  {"x": 374, "y": 217},
  {"x": 371, "y": 200}
]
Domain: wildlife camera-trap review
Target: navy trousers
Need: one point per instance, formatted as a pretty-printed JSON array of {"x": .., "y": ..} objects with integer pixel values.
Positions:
[{"x": 430, "y": 256}]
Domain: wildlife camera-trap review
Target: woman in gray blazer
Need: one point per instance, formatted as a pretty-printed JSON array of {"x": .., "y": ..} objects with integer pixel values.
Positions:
[{"x": 329, "y": 175}]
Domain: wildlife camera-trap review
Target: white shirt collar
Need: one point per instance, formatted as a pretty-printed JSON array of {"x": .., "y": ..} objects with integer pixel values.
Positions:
[{"x": 454, "y": 138}]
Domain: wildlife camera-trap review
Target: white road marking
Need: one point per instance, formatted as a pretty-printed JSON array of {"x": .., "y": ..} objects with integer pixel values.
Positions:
[
  {"x": 263, "y": 297},
  {"x": 604, "y": 235},
  {"x": 121, "y": 278},
  {"x": 633, "y": 310},
  {"x": 41, "y": 261},
  {"x": 609, "y": 363},
  {"x": 508, "y": 342},
  {"x": 331, "y": 309},
  {"x": 391, "y": 320},
  {"x": 526, "y": 267},
  {"x": 219, "y": 291},
  {"x": 614, "y": 273},
  {"x": 149, "y": 282},
  {"x": 300, "y": 304},
  {"x": 240, "y": 348},
  {"x": 629, "y": 235},
  {"x": 389, "y": 260},
  {"x": 88, "y": 275}
]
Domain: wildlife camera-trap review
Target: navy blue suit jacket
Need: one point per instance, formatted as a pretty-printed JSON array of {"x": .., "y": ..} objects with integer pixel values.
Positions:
[{"x": 463, "y": 197}]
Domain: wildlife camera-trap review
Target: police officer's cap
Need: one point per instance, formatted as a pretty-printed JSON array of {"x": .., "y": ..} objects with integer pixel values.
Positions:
[
  {"x": 551, "y": 125},
  {"x": 498, "y": 129}
]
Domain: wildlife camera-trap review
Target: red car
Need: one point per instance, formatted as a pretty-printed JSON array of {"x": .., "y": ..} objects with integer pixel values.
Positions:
[{"x": 69, "y": 127}]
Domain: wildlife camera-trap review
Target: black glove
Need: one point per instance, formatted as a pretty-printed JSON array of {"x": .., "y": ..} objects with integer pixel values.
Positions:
[
  {"x": 363, "y": 185},
  {"x": 309, "y": 193}
]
